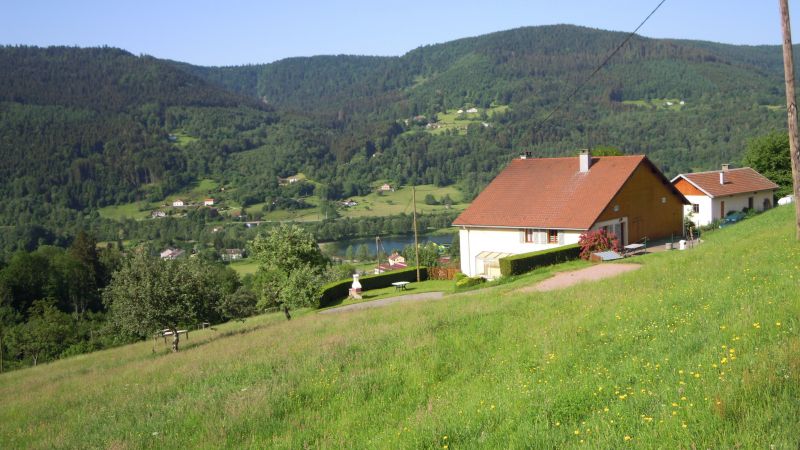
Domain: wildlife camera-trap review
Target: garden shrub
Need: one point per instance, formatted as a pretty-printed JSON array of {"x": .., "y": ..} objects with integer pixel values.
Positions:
[
  {"x": 466, "y": 282},
  {"x": 597, "y": 241},
  {"x": 525, "y": 262}
]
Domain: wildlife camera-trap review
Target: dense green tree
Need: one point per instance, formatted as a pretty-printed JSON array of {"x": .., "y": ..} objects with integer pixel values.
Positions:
[
  {"x": 349, "y": 253},
  {"x": 290, "y": 264},
  {"x": 430, "y": 200},
  {"x": 150, "y": 294},
  {"x": 362, "y": 253},
  {"x": 238, "y": 305},
  {"x": 769, "y": 155},
  {"x": 428, "y": 254},
  {"x": 43, "y": 336}
]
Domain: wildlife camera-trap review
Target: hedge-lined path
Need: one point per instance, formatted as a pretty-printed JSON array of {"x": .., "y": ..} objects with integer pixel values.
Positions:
[
  {"x": 424, "y": 296},
  {"x": 594, "y": 273}
]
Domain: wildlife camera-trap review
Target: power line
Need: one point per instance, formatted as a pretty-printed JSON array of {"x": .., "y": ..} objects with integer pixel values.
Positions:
[{"x": 602, "y": 64}]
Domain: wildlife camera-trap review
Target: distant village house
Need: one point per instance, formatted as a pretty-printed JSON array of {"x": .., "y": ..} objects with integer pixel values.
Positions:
[
  {"x": 172, "y": 253},
  {"x": 208, "y": 202},
  {"x": 178, "y": 203},
  {"x": 395, "y": 262},
  {"x": 232, "y": 254}
]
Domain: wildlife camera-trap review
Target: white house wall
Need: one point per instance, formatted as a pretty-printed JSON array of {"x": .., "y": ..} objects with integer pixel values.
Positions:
[
  {"x": 473, "y": 241},
  {"x": 710, "y": 207},
  {"x": 703, "y": 217}
]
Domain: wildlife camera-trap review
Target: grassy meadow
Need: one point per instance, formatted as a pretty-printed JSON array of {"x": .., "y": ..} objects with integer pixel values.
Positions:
[
  {"x": 142, "y": 209},
  {"x": 670, "y": 104},
  {"x": 374, "y": 204},
  {"x": 244, "y": 266},
  {"x": 697, "y": 349}
]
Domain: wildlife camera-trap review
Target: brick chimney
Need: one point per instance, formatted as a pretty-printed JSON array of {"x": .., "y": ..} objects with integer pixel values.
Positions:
[{"x": 585, "y": 160}]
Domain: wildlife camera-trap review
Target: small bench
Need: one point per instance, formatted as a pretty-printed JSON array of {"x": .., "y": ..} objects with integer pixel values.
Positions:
[
  {"x": 165, "y": 333},
  {"x": 400, "y": 285},
  {"x": 635, "y": 249}
]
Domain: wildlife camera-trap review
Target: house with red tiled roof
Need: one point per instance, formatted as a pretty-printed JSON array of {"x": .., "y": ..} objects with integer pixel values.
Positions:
[
  {"x": 541, "y": 203},
  {"x": 717, "y": 193}
]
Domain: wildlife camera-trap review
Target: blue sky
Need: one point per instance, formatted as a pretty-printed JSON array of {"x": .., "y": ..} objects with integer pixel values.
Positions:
[{"x": 248, "y": 31}]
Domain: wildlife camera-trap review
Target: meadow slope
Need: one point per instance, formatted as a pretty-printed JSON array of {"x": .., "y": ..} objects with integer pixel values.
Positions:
[{"x": 698, "y": 348}]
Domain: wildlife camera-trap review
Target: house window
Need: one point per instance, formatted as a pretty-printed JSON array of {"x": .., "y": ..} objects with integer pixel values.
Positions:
[
  {"x": 530, "y": 235},
  {"x": 696, "y": 208},
  {"x": 552, "y": 236},
  {"x": 749, "y": 202}
]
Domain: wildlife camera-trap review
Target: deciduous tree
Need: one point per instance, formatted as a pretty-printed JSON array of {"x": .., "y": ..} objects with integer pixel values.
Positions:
[
  {"x": 290, "y": 266},
  {"x": 149, "y": 294},
  {"x": 769, "y": 155}
]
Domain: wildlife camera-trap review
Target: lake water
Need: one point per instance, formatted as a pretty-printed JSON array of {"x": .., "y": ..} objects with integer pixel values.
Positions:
[{"x": 388, "y": 243}]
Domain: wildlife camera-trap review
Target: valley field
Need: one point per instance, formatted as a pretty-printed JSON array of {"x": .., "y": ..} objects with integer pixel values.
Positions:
[{"x": 699, "y": 348}]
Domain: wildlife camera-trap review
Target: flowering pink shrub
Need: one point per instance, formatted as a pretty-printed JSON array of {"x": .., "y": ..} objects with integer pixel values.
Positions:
[{"x": 597, "y": 241}]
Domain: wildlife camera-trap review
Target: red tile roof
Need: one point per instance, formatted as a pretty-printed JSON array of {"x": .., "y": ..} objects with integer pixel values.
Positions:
[
  {"x": 551, "y": 193},
  {"x": 737, "y": 181}
]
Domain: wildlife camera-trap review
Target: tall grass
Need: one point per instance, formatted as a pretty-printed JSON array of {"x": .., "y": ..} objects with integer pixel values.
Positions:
[{"x": 697, "y": 349}]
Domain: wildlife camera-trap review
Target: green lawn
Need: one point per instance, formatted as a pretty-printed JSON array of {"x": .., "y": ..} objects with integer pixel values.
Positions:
[
  {"x": 182, "y": 139},
  {"x": 451, "y": 120},
  {"x": 374, "y": 204},
  {"x": 142, "y": 210},
  {"x": 244, "y": 266},
  {"x": 697, "y": 349},
  {"x": 496, "y": 287},
  {"x": 136, "y": 210},
  {"x": 658, "y": 103},
  {"x": 400, "y": 201}
]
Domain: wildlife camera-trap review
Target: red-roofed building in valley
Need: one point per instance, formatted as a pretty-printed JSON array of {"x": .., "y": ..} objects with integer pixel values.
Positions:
[
  {"x": 716, "y": 193},
  {"x": 536, "y": 204}
]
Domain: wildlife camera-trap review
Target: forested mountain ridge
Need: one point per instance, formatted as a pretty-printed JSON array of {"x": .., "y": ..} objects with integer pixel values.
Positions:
[
  {"x": 104, "y": 79},
  {"x": 720, "y": 95},
  {"x": 83, "y": 128},
  {"x": 524, "y": 64}
]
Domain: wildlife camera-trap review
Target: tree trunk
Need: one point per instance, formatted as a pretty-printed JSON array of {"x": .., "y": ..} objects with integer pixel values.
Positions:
[
  {"x": 175, "y": 340},
  {"x": 286, "y": 312}
]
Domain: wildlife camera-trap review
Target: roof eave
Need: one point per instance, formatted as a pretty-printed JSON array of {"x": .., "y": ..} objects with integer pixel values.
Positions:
[{"x": 680, "y": 175}]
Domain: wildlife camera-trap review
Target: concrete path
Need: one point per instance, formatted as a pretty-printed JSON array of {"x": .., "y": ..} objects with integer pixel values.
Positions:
[
  {"x": 594, "y": 273},
  {"x": 412, "y": 298}
]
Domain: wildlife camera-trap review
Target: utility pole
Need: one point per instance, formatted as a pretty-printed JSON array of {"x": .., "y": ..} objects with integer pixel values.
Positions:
[
  {"x": 416, "y": 242},
  {"x": 791, "y": 111}
]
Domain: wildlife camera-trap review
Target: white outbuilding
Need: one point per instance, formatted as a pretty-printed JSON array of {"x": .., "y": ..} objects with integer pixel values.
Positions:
[{"x": 716, "y": 193}]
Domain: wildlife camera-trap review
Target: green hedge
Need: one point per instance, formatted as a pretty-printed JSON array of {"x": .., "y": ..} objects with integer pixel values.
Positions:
[
  {"x": 337, "y": 290},
  {"x": 525, "y": 262},
  {"x": 466, "y": 282}
]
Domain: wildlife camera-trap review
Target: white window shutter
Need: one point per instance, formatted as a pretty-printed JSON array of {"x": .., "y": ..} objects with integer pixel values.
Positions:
[
  {"x": 541, "y": 237},
  {"x": 560, "y": 237}
]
